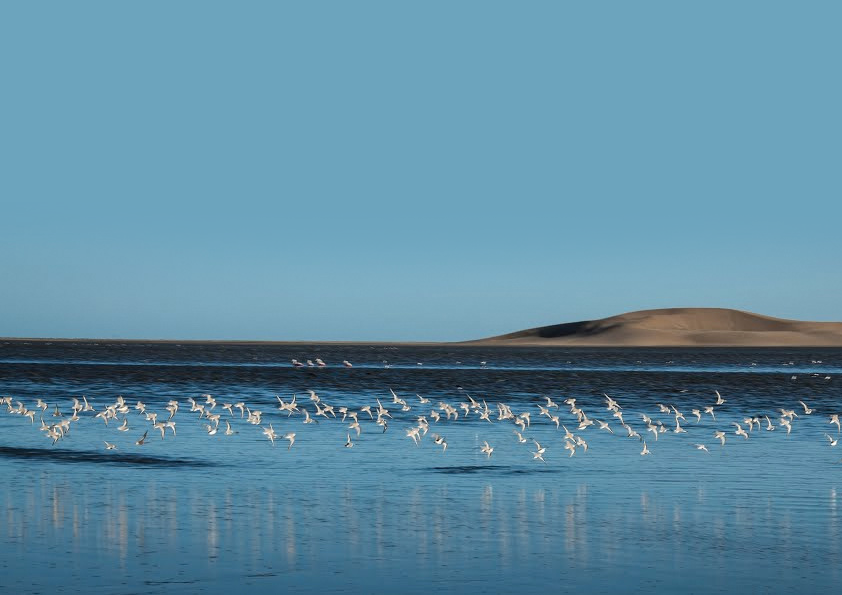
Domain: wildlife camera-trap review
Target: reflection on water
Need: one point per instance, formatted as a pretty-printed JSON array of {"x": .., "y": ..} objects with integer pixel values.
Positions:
[{"x": 481, "y": 533}]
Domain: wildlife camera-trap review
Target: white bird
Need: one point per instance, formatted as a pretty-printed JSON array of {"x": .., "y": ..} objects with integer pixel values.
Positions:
[
  {"x": 702, "y": 447},
  {"x": 346, "y": 363},
  {"x": 740, "y": 431},
  {"x": 125, "y": 425},
  {"x": 109, "y": 446},
  {"x": 487, "y": 449},
  {"x": 142, "y": 440},
  {"x": 440, "y": 441},
  {"x": 645, "y": 450},
  {"x": 568, "y": 435},
  {"x": 788, "y": 413},
  {"x": 786, "y": 424},
  {"x": 612, "y": 405},
  {"x": 678, "y": 414},
  {"x": 832, "y": 441},
  {"x": 413, "y": 433},
  {"x": 834, "y": 419},
  {"x": 570, "y": 446},
  {"x": 720, "y": 436},
  {"x": 270, "y": 434},
  {"x": 348, "y": 443},
  {"x": 520, "y": 437},
  {"x": 807, "y": 410},
  {"x": 291, "y": 438},
  {"x": 719, "y": 399}
]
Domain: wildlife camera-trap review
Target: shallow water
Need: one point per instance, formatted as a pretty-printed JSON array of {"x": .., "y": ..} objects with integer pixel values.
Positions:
[{"x": 199, "y": 513}]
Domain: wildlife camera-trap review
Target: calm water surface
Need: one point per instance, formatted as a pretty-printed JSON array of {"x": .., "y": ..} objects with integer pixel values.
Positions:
[{"x": 197, "y": 513}]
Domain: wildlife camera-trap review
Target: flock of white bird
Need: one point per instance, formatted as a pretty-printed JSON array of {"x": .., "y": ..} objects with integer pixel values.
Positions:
[{"x": 415, "y": 425}]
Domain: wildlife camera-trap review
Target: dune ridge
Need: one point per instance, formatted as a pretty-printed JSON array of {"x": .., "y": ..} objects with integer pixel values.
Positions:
[{"x": 675, "y": 327}]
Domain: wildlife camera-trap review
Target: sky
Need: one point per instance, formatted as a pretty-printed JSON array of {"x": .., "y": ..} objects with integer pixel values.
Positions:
[{"x": 399, "y": 171}]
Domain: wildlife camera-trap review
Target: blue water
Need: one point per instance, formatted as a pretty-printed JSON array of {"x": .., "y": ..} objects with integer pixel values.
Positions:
[{"x": 200, "y": 513}]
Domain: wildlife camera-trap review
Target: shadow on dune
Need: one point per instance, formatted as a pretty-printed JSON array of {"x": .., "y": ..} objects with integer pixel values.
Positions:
[
  {"x": 87, "y": 456},
  {"x": 585, "y": 328}
]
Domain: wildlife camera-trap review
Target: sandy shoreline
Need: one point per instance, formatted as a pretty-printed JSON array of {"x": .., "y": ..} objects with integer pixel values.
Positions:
[{"x": 673, "y": 327}]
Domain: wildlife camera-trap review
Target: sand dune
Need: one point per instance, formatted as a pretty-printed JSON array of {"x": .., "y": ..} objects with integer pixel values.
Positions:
[{"x": 680, "y": 327}]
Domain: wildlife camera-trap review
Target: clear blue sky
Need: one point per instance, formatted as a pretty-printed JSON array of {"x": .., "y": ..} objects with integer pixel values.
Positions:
[{"x": 413, "y": 171}]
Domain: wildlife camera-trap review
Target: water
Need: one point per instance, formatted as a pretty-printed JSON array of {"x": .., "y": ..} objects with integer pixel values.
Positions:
[{"x": 198, "y": 513}]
